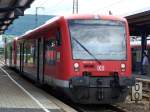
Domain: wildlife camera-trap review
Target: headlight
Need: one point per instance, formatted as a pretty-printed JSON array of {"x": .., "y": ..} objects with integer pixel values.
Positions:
[
  {"x": 76, "y": 67},
  {"x": 123, "y": 67}
]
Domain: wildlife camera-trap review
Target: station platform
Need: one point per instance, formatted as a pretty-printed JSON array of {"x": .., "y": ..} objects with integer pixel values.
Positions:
[
  {"x": 147, "y": 77},
  {"x": 19, "y": 95}
]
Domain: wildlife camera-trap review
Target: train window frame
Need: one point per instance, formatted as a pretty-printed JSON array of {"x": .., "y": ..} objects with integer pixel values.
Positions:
[
  {"x": 51, "y": 48},
  {"x": 28, "y": 46},
  {"x": 119, "y": 22}
]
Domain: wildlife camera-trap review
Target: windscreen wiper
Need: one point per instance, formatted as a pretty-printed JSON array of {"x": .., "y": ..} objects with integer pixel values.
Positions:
[{"x": 87, "y": 50}]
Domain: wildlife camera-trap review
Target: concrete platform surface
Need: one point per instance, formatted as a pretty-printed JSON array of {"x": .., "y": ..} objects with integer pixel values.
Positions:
[
  {"x": 26, "y": 97},
  {"x": 142, "y": 76}
]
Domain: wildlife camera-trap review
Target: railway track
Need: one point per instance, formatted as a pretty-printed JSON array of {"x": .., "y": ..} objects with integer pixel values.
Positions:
[{"x": 100, "y": 108}]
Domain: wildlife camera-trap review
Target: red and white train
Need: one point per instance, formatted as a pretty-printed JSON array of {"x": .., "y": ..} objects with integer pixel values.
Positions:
[{"x": 87, "y": 57}]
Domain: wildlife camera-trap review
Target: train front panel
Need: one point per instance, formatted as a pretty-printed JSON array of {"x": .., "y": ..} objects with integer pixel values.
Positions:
[{"x": 100, "y": 70}]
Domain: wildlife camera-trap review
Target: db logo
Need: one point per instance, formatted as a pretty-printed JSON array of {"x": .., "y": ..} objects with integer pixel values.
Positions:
[{"x": 100, "y": 68}]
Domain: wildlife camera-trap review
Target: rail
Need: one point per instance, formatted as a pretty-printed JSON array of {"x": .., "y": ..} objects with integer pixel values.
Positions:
[{"x": 100, "y": 108}]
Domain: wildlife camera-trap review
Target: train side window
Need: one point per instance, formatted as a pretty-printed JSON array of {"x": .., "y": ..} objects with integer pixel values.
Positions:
[
  {"x": 50, "y": 53},
  {"x": 30, "y": 52},
  {"x": 18, "y": 54},
  {"x": 25, "y": 55},
  {"x": 58, "y": 37}
]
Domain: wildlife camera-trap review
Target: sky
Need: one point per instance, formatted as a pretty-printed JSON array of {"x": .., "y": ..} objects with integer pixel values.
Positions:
[{"x": 64, "y": 7}]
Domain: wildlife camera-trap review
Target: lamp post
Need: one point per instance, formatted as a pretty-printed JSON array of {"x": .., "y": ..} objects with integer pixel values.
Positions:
[
  {"x": 36, "y": 15},
  {"x": 75, "y": 6}
]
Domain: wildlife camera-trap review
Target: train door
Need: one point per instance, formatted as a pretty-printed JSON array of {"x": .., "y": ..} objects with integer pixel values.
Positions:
[
  {"x": 18, "y": 56},
  {"x": 51, "y": 45},
  {"x": 21, "y": 56},
  {"x": 40, "y": 61},
  {"x": 10, "y": 56}
]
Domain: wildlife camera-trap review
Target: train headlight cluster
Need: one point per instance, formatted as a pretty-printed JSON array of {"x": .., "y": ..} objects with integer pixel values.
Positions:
[
  {"x": 123, "y": 67},
  {"x": 76, "y": 67}
]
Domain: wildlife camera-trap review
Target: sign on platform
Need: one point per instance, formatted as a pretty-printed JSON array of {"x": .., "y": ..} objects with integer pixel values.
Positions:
[{"x": 137, "y": 91}]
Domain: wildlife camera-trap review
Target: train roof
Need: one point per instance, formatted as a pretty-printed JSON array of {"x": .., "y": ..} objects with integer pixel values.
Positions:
[
  {"x": 28, "y": 33},
  {"x": 56, "y": 19},
  {"x": 95, "y": 16}
]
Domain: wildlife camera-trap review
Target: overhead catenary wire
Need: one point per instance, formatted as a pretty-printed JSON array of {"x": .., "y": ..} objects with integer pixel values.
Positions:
[
  {"x": 108, "y": 6},
  {"x": 59, "y": 5}
]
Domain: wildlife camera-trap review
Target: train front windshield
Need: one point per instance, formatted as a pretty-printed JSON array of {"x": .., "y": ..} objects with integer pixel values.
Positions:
[{"x": 100, "y": 39}]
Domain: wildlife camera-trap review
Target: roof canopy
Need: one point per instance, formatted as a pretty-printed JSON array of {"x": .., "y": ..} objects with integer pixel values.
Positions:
[
  {"x": 10, "y": 10},
  {"x": 139, "y": 23}
]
